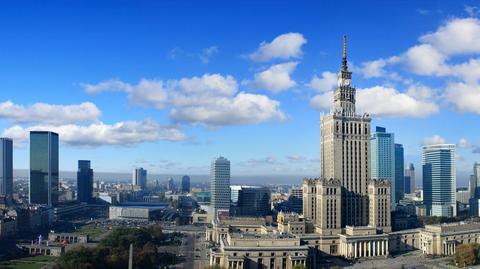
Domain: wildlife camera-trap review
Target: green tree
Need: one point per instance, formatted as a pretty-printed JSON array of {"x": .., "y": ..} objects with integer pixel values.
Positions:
[{"x": 465, "y": 255}]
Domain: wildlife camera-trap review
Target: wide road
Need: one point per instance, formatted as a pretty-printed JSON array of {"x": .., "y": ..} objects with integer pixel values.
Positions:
[{"x": 187, "y": 250}]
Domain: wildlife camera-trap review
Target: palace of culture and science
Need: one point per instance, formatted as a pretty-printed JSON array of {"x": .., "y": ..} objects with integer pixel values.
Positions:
[{"x": 344, "y": 202}]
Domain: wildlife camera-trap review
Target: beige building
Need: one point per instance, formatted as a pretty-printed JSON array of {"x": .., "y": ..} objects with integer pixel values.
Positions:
[
  {"x": 293, "y": 223},
  {"x": 250, "y": 250},
  {"x": 379, "y": 205},
  {"x": 345, "y": 149},
  {"x": 250, "y": 242}
]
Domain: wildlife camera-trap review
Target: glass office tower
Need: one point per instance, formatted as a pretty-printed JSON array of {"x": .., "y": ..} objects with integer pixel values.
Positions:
[
  {"x": 399, "y": 173},
  {"x": 43, "y": 168},
  {"x": 6, "y": 166},
  {"x": 383, "y": 158},
  {"x": 439, "y": 180},
  {"x": 84, "y": 181}
]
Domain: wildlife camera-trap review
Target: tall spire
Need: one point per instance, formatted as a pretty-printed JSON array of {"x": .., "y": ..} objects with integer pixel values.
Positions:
[{"x": 344, "y": 60}]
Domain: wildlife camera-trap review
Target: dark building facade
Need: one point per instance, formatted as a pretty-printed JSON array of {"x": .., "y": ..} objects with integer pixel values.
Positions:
[
  {"x": 43, "y": 168},
  {"x": 84, "y": 181},
  {"x": 6, "y": 166},
  {"x": 253, "y": 201},
  {"x": 185, "y": 184},
  {"x": 399, "y": 173}
]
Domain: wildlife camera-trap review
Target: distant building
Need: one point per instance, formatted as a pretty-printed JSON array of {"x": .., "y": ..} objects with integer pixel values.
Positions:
[
  {"x": 295, "y": 200},
  {"x": 220, "y": 185},
  {"x": 84, "y": 181},
  {"x": 410, "y": 173},
  {"x": 474, "y": 190},
  {"x": 6, "y": 166},
  {"x": 439, "y": 180},
  {"x": 171, "y": 184},
  {"x": 139, "y": 178},
  {"x": 399, "y": 173},
  {"x": 383, "y": 158},
  {"x": 43, "y": 168},
  {"x": 463, "y": 195},
  {"x": 253, "y": 201},
  {"x": 185, "y": 184},
  {"x": 234, "y": 190}
]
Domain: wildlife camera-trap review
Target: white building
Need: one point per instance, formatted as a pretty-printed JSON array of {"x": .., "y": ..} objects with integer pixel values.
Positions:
[{"x": 220, "y": 185}]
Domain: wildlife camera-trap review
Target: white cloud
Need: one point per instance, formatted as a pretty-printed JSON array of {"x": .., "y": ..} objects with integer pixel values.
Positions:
[
  {"x": 207, "y": 53},
  {"x": 373, "y": 69},
  {"x": 382, "y": 102},
  {"x": 270, "y": 160},
  {"x": 472, "y": 11},
  {"x": 425, "y": 60},
  {"x": 464, "y": 143},
  {"x": 98, "y": 134},
  {"x": 276, "y": 78},
  {"x": 326, "y": 82},
  {"x": 204, "y": 55},
  {"x": 433, "y": 140},
  {"x": 456, "y": 36},
  {"x": 211, "y": 99},
  {"x": 285, "y": 46},
  {"x": 465, "y": 97},
  {"x": 322, "y": 102},
  {"x": 244, "y": 108},
  {"x": 42, "y": 113}
]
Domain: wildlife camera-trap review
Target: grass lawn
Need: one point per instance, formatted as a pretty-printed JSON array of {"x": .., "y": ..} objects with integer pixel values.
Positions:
[
  {"x": 93, "y": 232},
  {"x": 27, "y": 263}
]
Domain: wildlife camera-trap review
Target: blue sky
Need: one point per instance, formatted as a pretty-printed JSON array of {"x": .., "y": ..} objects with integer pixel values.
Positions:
[{"x": 169, "y": 85}]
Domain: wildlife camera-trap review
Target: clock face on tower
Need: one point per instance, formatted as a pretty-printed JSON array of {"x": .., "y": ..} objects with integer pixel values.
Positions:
[{"x": 346, "y": 82}]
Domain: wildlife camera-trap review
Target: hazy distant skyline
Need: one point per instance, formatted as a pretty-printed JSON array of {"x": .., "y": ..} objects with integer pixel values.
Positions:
[{"x": 169, "y": 85}]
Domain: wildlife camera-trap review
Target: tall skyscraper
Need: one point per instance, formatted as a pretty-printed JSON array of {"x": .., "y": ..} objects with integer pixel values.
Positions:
[
  {"x": 383, "y": 158},
  {"x": 474, "y": 191},
  {"x": 439, "y": 180},
  {"x": 476, "y": 175},
  {"x": 399, "y": 173},
  {"x": 6, "y": 166},
  {"x": 410, "y": 174},
  {"x": 139, "y": 178},
  {"x": 220, "y": 185},
  {"x": 185, "y": 184},
  {"x": 345, "y": 150},
  {"x": 84, "y": 181},
  {"x": 43, "y": 167}
]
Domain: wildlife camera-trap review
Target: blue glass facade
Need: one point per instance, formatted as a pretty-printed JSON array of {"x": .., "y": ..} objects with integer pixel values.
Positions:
[
  {"x": 399, "y": 173},
  {"x": 6, "y": 166},
  {"x": 383, "y": 158},
  {"x": 43, "y": 168},
  {"x": 439, "y": 180},
  {"x": 84, "y": 181}
]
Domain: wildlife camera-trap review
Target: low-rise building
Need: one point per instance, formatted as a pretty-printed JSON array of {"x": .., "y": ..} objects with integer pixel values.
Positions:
[
  {"x": 253, "y": 250},
  {"x": 68, "y": 238}
]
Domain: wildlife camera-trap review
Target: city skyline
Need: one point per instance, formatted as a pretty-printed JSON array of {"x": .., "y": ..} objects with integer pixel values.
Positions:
[{"x": 140, "y": 100}]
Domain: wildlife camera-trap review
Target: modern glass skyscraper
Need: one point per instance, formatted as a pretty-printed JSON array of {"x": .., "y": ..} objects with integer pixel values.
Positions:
[
  {"x": 185, "y": 184},
  {"x": 253, "y": 201},
  {"x": 383, "y": 158},
  {"x": 220, "y": 185},
  {"x": 439, "y": 180},
  {"x": 410, "y": 175},
  {"x": 43, "y": 168},
  {"x": 6, "y": 166},
  {"x": 84, "y": 181},
  {"x": 399, "y": 173},
  {"x": 139, "y": 178}
]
